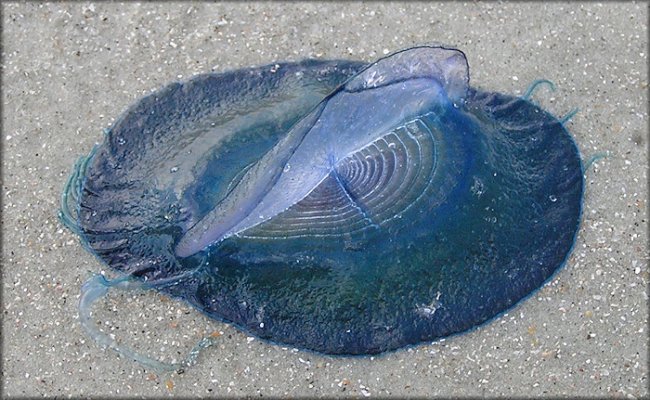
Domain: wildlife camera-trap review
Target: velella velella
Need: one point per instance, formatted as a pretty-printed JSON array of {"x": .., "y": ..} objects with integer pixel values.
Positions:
[{"x": 336, "y": 206}]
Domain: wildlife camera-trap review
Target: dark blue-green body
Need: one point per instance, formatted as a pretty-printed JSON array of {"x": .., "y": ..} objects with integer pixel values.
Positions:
[{"x": 494, "y": 219}]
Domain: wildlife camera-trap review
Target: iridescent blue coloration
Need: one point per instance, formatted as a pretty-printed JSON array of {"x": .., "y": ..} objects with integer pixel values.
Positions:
[{"x": 332, "y": 205}]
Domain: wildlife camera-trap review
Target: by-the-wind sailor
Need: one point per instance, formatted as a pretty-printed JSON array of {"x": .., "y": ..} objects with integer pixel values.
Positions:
[{"x": 335, "y": 206}]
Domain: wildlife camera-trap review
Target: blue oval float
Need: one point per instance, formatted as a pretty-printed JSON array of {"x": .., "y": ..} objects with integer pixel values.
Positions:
[{"x": 335, "y": 206}]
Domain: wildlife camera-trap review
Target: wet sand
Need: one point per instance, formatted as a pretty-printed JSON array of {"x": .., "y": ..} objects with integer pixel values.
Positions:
[{"x": 69, "y": 69}]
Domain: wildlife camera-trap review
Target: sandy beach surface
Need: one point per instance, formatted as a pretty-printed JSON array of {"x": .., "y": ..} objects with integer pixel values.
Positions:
[{"x": 69, "y": 69}]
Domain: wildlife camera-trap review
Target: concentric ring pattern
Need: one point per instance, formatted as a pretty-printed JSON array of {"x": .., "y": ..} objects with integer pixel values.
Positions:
[{"x": 365, "y": 190}]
